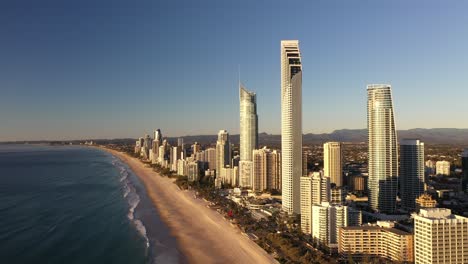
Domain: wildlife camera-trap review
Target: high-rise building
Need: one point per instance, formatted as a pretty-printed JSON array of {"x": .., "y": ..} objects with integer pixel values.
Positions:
[
  {"x": 333, "y": 162},
  {"x": 383, "y": 149},
  {"x": 315, "y": 189},
  {"x": 223, "y": 150},
  {"x": 195, "y": 148},
  {"x": 210, "y": 157},
  {"x": 440, "y": 237},
  {"x": 155, "y": 150},
  {"x": 321, "y": 189},
  {"x": 328, "y": 218},
  {"x": 411, "y": 172},
  {"x": 443, "y": 168},
  {"x": 291, "y": 125},
  {"x": 248, "y": 134},
  {"x": 246, "y": 174},
  {"x": 158, "y": 135},
  {"x": 430, "y": 167},
  {"x": 248, "y": 123},
  {"x": 381, "y": 240},
  {"x": 266, "y": 170},
  {"x": 464, "y": 158},
  {"x": 193, "y": 171}
]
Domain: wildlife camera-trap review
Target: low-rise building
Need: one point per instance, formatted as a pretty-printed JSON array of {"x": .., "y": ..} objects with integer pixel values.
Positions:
[{"x": 382, "y": 240}]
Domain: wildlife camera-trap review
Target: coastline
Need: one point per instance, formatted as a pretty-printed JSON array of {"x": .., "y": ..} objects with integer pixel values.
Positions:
[{"x": 203, "y": 235}]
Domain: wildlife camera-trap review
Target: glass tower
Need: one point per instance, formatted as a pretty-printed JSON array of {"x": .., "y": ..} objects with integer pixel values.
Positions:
[{"x": 383, "y": 152}]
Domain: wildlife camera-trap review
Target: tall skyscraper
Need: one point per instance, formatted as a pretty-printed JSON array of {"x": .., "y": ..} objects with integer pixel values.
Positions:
[
  {"x": 411, "y": 172},
  {"x": 210, "y": 157},
  {"x": 333, "y": 162},
  {"x": 248, "y": 123},
  {"x": 383, "y": 149},
  {"x": 291, "y": 125},
  {"x": 223, "y": 151},
  {"x": 248, "y": 134},
  {"x": 464, "y": 158},
  {"x": 440, "y": 237}
]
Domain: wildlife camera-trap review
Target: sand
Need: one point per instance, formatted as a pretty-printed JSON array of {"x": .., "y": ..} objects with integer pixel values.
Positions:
[{"x": 203, "y": 234}]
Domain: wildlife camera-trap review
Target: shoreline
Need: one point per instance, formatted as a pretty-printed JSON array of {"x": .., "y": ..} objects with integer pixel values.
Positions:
[{"x": 202, "y": 234}]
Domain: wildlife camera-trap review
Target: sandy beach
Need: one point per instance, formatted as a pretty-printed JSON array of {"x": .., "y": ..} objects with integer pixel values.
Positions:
[{"x": 204, "y": 235}]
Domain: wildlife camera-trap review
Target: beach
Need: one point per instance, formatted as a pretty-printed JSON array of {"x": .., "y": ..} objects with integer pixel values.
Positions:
[{"x": 204, "y": 236}]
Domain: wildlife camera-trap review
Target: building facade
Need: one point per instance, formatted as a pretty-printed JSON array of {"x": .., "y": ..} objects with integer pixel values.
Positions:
[
  {"x": 412, "y": 178},
  {"x": 443, "y": 168},
  {"x": 333, "y": 162},
  {"x": 248, "y": 123},
  {"x": 440, "y": 237},
  {"x": 223, "y": 150},
  {"x": 381, "y": 240},
  {"x": 291, "y": 125},
  {"x": 266, "y": 170},
  {"x": 383, "y": 149}
]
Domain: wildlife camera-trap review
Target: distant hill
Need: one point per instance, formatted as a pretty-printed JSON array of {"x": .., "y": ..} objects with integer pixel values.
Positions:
[{"x": 430, "y": 136}]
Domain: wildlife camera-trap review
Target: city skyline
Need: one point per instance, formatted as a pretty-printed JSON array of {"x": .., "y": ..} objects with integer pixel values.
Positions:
[{"x": 56, "y": 87}]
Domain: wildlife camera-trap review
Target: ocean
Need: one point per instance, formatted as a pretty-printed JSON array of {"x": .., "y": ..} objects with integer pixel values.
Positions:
[{"x": 72, "y": 204}]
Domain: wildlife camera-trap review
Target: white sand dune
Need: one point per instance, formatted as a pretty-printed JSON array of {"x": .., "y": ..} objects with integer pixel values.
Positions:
[{"x": 204, "y": 235}]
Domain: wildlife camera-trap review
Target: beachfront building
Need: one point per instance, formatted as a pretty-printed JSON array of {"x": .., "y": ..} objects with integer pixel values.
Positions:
[
  {"x": 412, "y": 178},
  {"x": 291, "y": 125},
  {"x": 315, "y": 189},
  {"x": 440, "y": 237},
  {"x": 266, "y": 170},
  {"x": 248, "y": 134},
  {"x": 381, "y": 240},
  {"x": 383, "y": 149},
  {"x": 193, "y": 171},
  {"x": 333, "y": 162},
  {"x": 327, "y": 218},
  {"x": 229, "y": 176},
  {"x": 223, "y": 151},
  {"x": 443, "y": 168}
]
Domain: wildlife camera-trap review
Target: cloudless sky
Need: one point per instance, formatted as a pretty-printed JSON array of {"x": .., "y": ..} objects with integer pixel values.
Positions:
[{"x": 114, "y": 68}]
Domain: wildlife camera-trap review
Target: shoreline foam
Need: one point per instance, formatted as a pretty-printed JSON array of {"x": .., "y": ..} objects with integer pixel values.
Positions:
[{"x": 203, "y": 235}]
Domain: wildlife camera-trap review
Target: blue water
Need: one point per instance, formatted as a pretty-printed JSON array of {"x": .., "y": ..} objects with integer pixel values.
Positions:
[{"x": 76, "y": 205}]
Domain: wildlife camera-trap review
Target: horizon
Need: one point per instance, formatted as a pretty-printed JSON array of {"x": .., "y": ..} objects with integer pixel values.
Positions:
[
  {"x": 214, "y": 134},
  {"x": 116, "y": 69}
]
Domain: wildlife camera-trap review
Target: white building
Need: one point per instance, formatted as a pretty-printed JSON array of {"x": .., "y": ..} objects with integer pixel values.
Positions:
[
  {"x": 223, "y": 150},
  {"x": 440, "y": 237},
  {"x": 315, "y": 189},
  {"x": 248, "y": 123},
  {"x": 328, "y": 218},
  {"x": 291, "y": 125}
]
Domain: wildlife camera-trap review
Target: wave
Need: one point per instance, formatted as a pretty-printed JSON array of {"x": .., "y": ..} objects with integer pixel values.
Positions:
[{"x": 133, "y": 199}]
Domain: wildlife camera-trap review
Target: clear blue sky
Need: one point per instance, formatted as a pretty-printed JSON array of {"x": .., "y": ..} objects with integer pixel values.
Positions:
[{"x": 112, "y": 68}]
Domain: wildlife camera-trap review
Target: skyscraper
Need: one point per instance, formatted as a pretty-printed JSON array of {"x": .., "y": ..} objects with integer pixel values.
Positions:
[
  {"x": 248, "y": 134},
  {"x": 383, "y": 152},
  {"x": 158, "y": 135},
  {"x": 248, "y": 123},
  {"x": 223, "y": 151},
  {"x": 333, "y": 163},
  {"x": 411, "y": 172},
  {"x": 464, "y": 158},
  {"x": 291, "y": 125}
]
